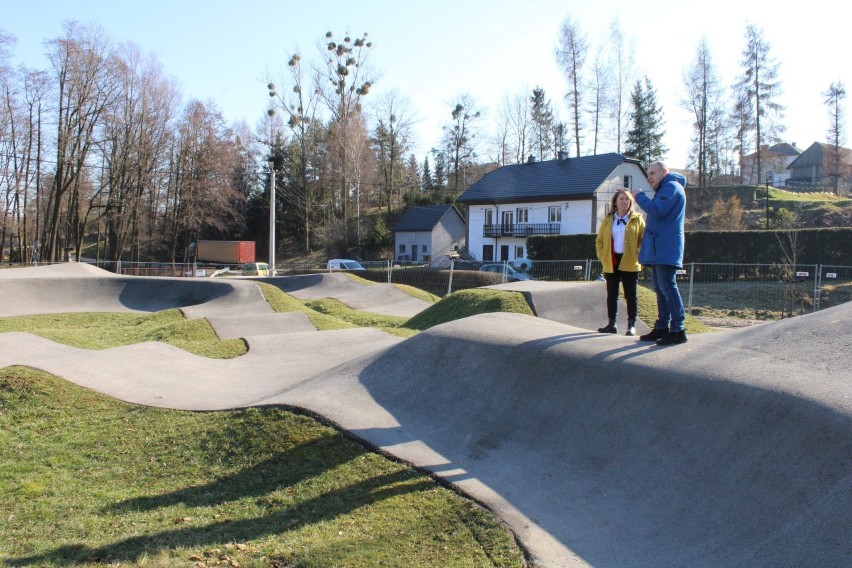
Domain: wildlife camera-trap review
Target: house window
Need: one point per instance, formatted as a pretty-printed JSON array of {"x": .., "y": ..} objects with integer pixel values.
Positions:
[
  {"x": 519, "y": 252},
  {"x": 628, "y": 182},
  {"x": 487, "y": 252},
  {"x": 504, "y": 252},
  {"x": 423, "y": 249},
  {"x": 508, "y": 217},
  {"x": 554, "y": 214},
  {"x": 489, "y": 216},
  {"x": 401, "y": 249},
  {"x": 523, "y": 215}
]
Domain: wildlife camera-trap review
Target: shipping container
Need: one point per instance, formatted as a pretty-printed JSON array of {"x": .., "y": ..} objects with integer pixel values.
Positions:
[{"x": 236, "y": 252}]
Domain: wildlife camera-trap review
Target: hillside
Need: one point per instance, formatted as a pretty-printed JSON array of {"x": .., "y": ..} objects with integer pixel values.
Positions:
[{"x": 803, "y": 210}]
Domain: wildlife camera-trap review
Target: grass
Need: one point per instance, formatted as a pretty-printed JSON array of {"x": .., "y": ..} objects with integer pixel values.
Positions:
[
  {"x": 792, "y": 196},
  {"x": 465, "y": 303},
  {"x": 647, "y": 308},
  {"x": 88, "y": 481},
  {"x": 106, "y": 330}
]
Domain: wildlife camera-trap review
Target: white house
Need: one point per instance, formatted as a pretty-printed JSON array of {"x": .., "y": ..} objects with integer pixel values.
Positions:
[
  {"x": 564, "y": 196},
  {"x": 427, "y": 232},
  {"x": 774, "y": 163}
]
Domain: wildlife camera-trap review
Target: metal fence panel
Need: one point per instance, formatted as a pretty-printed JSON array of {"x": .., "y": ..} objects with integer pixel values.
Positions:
[{"x": 749, "y": 291}]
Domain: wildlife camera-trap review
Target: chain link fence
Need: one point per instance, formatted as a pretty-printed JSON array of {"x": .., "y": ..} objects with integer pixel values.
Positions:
[{"x": 744, "y": 291}]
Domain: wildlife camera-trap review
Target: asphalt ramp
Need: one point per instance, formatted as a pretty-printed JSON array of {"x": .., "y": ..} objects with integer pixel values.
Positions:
[{"x": 733, "y": 450}]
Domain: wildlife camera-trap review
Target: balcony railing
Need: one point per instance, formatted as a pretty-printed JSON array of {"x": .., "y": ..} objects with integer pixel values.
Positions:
[{"x": 520, "y": 229}]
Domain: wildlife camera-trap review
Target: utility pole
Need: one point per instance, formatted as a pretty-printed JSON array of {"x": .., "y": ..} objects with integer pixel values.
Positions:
[{"x": 271, "y": 218}]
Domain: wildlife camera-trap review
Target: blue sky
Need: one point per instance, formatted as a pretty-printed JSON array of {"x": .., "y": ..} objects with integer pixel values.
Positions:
[{"x": 435, "y": 51}]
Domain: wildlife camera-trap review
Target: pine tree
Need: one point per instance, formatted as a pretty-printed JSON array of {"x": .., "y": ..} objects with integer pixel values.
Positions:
[
  {"x": 757, "y": 92},
  {"x": 428, "y": 184},
  {"x": 645, "y": 138},
  {"x": 542, "y": 118}
]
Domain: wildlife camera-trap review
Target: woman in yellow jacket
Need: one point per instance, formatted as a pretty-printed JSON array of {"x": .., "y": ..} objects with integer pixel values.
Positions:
[{"x": 618, "y": 241}]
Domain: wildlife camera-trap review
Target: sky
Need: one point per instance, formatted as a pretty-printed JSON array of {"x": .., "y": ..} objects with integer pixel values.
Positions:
[{"x": 433, "y": 52}]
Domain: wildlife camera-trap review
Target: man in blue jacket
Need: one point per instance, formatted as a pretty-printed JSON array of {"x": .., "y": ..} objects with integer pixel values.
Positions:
[{"x": 662, "y": 250}]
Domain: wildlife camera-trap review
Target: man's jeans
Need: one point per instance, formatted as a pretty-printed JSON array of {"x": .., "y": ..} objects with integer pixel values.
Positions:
[{"x": 670, "y": 314}]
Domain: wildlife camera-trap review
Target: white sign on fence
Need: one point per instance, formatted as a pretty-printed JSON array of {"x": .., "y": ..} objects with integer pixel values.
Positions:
[
  {"x": 681, "y": 271},
  {"x": 831, "y": 275},
  {"x": 803, "y": 274},
  {"x": 578, "y": 267}
]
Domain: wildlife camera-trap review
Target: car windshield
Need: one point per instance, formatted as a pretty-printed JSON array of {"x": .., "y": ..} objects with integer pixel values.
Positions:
[{"x": 351, "y": 265}]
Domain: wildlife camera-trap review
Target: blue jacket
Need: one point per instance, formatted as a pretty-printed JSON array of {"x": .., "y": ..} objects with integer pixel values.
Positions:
[{"x": 664, "y": 215}]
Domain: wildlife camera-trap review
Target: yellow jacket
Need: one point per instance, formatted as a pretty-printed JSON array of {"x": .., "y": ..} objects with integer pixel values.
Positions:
[{"x": 633, "y": 234}]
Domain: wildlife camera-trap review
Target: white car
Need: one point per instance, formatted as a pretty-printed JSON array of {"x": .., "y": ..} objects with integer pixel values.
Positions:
[
  {"x": 344, "y": 264},
  {"x": 510, "y": 273}
]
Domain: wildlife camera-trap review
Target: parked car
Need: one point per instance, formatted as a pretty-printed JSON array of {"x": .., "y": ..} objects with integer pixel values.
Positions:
[
  {"x": 344, "y": 264},
  {"x": 512, "y": 275},
  {"x": 255, "y": 269}
]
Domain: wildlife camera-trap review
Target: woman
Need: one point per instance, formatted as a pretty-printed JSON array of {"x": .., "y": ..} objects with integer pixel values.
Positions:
[{"x": 618, "y": 241}]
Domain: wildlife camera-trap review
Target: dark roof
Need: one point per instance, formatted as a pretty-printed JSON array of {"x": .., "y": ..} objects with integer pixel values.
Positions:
[
  {"x": 782, "y": 149},
  {"x": 570, "y": 178},
  {"x": 423, "y": 218},
  {"x": 817, "y": 153}
]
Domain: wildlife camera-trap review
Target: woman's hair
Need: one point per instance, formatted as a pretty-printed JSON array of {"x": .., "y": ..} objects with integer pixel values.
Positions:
[{"x": 612, "y": 202}]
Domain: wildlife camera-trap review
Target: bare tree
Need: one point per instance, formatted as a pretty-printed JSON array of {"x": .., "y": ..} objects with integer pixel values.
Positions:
[
  {"x": 836, "y": 135},
  {"x": 620, "y": 62},
  {"x": 299, "y": 102},
  {"x": 135, "y": 135},
  {"x": 202, "y": 194},
  {"x": 460, "y": 140},
  {"x": 515, "y": 124},
  {"x": 82, "y": 63},
  {"x": 391, "y": 143},
  {"x": 348, "y": 77},
  {"x": 598, "y": 87},
  {"x": 571, "y": 56},
  {"x": 703, "y": 97}
]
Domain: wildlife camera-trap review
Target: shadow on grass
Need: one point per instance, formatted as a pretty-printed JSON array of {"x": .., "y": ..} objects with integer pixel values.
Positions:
[
  {"x": 321, "y": 508},
  {"x": 256, "y": 481}
]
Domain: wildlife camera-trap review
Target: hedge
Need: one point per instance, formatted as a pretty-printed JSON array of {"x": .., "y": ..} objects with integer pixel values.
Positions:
[{"x": 832, "y": 246}]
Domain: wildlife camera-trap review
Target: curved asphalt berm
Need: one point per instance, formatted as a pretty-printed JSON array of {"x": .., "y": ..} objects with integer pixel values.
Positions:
[{"x": 597, "y": 450}]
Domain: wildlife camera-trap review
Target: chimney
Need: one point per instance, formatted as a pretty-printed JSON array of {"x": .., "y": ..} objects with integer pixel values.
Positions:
[
  {"x": 531, "y": 159},
  {"x": 561, "y": 155}
]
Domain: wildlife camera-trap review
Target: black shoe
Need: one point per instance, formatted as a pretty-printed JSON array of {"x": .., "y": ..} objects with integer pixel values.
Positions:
[
  {"x": 654, "y": 335},
  {"x": 631, "y": 327},
  {"x": 609, "y": 328},
  {"x": 673, "y": 338}
]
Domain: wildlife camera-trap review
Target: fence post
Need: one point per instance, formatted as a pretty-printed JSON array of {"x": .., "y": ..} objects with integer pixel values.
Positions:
[
  {"x": 390, "y": 271},
  {"x": 450, "y": 282},
  {"x": 587, "y": 273},
  {"x": 817, "y": 286},
  {"x": 691, "y": 273}
]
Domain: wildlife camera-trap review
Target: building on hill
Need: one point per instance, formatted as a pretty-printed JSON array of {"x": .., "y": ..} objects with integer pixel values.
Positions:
[
  {"x": 822, "y": 167},
  {"x": 564, "y": 196},
  {"x": 774, "y": 163}
]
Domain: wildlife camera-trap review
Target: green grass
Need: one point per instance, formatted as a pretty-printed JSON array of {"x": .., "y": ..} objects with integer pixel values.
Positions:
[
  {"x": 281, "y": 302},
  {"x": 647, "y": 308},
  {"x": 88, "y": 481},
  {"x": 792, "y": 196},
  {"x": 465, "y": 303},
  {"x": 106, "y": 330},
  {"x": 333, "y": 308}
]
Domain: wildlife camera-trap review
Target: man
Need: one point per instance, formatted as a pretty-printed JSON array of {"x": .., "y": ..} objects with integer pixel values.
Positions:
[{"x": 662, "y": 250}]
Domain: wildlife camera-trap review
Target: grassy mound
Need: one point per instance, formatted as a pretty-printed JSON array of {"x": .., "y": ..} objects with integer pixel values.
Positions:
[{"x": 86, "y": 480}]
